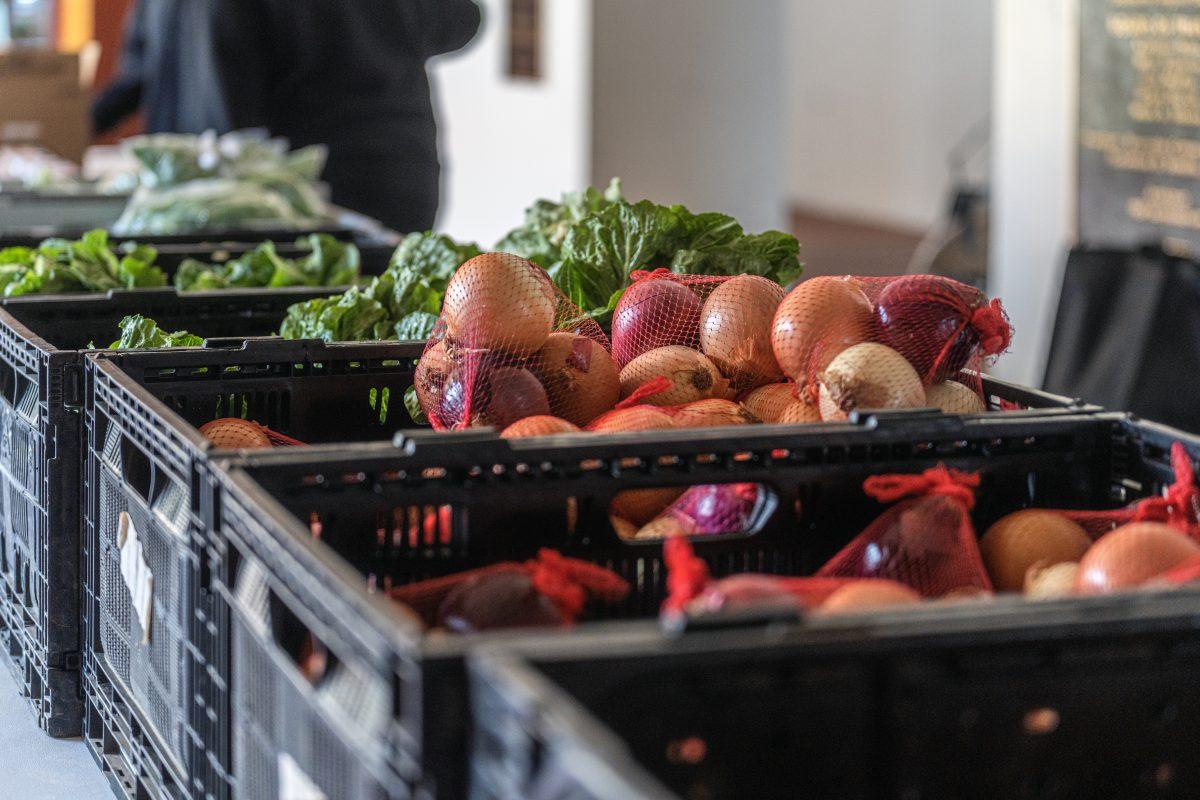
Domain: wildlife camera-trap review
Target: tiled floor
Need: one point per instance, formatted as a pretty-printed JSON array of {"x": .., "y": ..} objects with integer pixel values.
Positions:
[{"x": 35, "y": 767}]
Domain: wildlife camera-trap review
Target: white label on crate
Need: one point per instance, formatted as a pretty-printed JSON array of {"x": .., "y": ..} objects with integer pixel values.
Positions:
[
  {"x": 136, "y": 572},
  {"x": 294, "y": 783}
]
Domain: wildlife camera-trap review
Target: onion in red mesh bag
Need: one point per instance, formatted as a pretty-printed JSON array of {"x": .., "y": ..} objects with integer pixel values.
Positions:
[
  {"x": 1183, "y": 573},
  {"x": 712, "y": 413},
  {"x": 500, "y": 302},
  {"x": 538, "y": 426},
  {"x": 550, "y": 590},
  {"x": 480, "y": 393},
  {"x": 655, "y": 311},
  {"x": 692, "y": 589},
  {"x": 868, "y": 376},
  {"x": 953, "y": 397},
  {"x": 508, "y": 346},
  {"x": 939, "y": 324},
  {"x": 735, "y": 330},
  {"x": 926, "y": 541},
  {"x": 690, "y": 373},
  {"x": 234, "y": 433},
  {"x": 818, "y": 320},
  {"x": 869, "y": 594},
  {"x": 1132, "y": 555},
  {"x": 708, "y": 510},
  {"x": 634, "y": 418},
  {"x": 579, "y": 375},
  {"x": 769, "y": 402}
]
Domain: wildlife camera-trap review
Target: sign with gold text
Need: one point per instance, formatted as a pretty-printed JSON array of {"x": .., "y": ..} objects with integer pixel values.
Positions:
[{"x": 1139, "y": 122}]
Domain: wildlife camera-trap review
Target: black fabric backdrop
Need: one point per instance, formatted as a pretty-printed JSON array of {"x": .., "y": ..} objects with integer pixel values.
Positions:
[{"x": 1127, "y": 335}]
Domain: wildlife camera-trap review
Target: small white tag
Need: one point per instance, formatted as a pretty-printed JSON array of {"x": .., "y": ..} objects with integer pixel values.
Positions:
[
  {"x": 294, "y": 783},
  {"x": 136, "y": 572}
]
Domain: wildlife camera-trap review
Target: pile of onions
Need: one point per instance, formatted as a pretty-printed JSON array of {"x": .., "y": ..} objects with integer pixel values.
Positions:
[
  {"x": 886, "y": 343},
  {"x": 510, "y": 346},
  {"x": 707, "y": 338}
]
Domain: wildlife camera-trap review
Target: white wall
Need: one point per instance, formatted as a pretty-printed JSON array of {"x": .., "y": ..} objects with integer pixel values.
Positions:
[
  {"x": 506, "y": 142},
  {"x": 879, "y": 91},
  {"x": 687, "y": 103},
  {"x": 1033, "y": 170}
]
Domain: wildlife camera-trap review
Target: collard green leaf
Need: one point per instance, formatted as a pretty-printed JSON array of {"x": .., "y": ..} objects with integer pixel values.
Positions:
[{"x": 138, "y": 332}]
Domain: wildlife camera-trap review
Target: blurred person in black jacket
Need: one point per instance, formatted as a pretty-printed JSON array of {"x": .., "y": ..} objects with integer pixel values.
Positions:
[
  {"x": 349, "y": 74},
  {"x": 167, "y": 71}
]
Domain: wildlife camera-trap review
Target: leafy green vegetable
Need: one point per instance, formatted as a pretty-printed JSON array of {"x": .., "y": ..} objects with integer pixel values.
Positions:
[
  {"x": 773, "y": 254},
  {"x": 547, "y": 223},
  {"x": 87, "y": 265},
  {"x": 329, "y": 263},
  {"x": 591, "y": 243},
  {"x": 401, "y": 303},
  {"x": 138, "y": 332},
  {"x": 412, "y": 402}
]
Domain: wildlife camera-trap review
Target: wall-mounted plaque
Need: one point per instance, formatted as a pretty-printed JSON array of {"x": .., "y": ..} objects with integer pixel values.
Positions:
[{"x": 1139, "y": 122}]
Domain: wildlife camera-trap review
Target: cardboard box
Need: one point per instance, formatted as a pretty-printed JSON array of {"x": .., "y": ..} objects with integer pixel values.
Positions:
[{"x": 44, "y": 101}]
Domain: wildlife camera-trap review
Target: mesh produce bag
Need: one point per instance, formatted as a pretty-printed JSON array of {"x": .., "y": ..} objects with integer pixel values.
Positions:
[
  {"x": 1179, "y": 505},
  {"x": 692, "y": 589},
  {"x": 509, "y": 345},
  {"x": 710, "y": 336},
  {"x": 236, "y": 433},
  {"x": 709, "y": 510},
  {"x": 550, "y": 590},
  {"x": 901, "y": 342},
  {"x": 926, "y": 541}
]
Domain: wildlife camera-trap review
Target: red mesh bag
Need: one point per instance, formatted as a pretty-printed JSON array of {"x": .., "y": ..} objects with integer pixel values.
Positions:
[
  {"x": 509, "y": 345},
  {"x": 1179, "y": 505},
  {"x": 692, "y": 589},
  {"x": 234, "y": 433},
  {"x": 709, "y": 336},
  {"x": 550, "y": 590},
  {"x": 925, "y": 541},
  {"x": 709, "y": 510},
  {"x": 903, "y": 342}
]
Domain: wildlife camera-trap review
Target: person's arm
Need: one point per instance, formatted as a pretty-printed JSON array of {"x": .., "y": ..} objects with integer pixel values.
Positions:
[
  {"x": 123, "y": 95},
  {"x": 449, "y": 25},
  {"x": 241, "y": 47}
]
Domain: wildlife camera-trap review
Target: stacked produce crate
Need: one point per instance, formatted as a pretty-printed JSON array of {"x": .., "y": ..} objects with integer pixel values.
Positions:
[{"x": 507, "y": 525}]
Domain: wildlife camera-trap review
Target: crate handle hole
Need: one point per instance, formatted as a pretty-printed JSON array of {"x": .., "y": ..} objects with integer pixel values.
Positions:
[{"x": 1041, "y": 721}]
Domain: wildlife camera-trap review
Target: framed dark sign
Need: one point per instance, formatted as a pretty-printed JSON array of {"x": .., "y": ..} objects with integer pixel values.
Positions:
[{"x": 1139, "y": 123}]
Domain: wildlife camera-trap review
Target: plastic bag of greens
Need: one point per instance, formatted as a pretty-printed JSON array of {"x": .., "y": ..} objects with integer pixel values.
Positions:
[{"x": 211, "y": 204}]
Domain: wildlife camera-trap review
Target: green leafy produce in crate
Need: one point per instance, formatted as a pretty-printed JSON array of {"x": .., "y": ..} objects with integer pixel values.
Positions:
[
  {"x": 328, "y": 263},
  {"x": 90, "y": 264},
  {"x": 402, "y": 303},
  {"x": 140, "y": 333},
  {"x": 94, "y": 264}
]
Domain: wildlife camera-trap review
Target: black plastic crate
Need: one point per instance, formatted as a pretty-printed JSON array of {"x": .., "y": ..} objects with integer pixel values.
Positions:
[
  {"x": 507, "y": 499},
  {"x": 41, "y": 397},
  {"x": 1065, "y": 699},
  {"x": 146, "y": 458}
]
